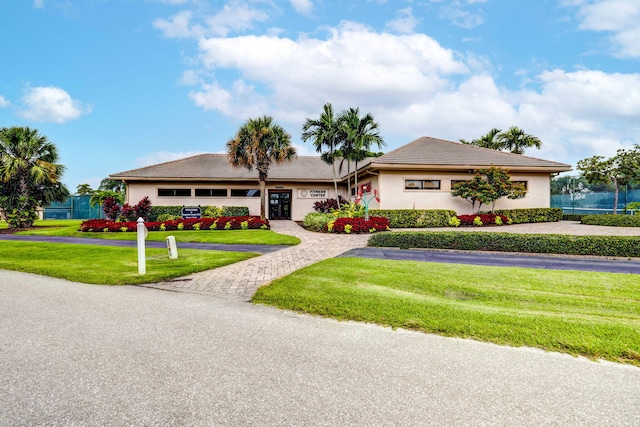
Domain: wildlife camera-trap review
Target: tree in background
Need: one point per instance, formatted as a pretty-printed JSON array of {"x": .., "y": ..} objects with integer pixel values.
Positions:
[
  {"x": 99, "y": 196},
  {"x": 257, "y": 144},
  {"x": 84, "y": 190},
  {"x": 513, "y": 140},
  {"x": 30, "y": 175},
  {"x": 486, "y": 141},
  {"x": 488, "y": 186},
  {"x": 619, "y": 170}
]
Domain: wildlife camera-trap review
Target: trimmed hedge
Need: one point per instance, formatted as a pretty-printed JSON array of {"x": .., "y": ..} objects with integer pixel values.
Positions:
[
  {"x": 220, "y": 223},
  {"x": 357, "y": 225},
  {"x": 618, "y": 246},
  {"x": 520, "y": 216},
  {"x": 572, "y": 217},
  {"x": 176, "y": 211},
  {"x": 317, "y": 221},
  {"x": 415, "y": 218},
  {"x": 612, "y": 220}
]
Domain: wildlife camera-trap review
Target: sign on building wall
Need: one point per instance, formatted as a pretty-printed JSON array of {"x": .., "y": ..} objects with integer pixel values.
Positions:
[{"x": 313, "y": 194}]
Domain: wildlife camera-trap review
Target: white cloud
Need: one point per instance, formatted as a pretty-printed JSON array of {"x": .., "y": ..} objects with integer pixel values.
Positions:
[
  {"x": 404, "y": 23},
  {"x": 38, "y": 4},
  {"x": 235, "y": 16},
  {"x": 163, "y": 157},
  {"x": 303, "y": 73},
  {"x": 4, "y": 102},
  {"x": 51, "y": 104},
  {"x": 302, "y": 6},
  {"x": 620, "y": 18},
  {"x": 460, "y": 16},
  {"x": 414, "y": 87},
  {"x": 178, "y": 26}
]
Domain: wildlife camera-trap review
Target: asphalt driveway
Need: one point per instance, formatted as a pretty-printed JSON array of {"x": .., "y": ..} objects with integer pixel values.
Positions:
[{"x": 75, "y": 354}]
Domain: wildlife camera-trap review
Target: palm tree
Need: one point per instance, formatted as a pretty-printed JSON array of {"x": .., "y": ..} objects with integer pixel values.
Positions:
[
  {"x": 486, "y": 141},
  {"x": 361, "y": 133},
  {"x": 29, "y": 173},
  {"x": 259, "y": 143},
  {"x": 515, "y": 140},
  {"x": 326, "y": 136}
]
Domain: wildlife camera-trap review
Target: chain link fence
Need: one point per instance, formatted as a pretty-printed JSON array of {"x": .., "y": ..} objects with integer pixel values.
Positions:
[{"x": 575, "y": 196}]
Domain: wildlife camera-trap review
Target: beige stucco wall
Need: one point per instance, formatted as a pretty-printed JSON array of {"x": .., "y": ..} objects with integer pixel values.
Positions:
[
  {"x": 390, "y": 185},
  {"x": 394, "y": 195},
  {"x": 301, "y": 202}
]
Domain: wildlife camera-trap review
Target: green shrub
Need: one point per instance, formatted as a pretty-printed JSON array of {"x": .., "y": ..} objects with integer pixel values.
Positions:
[
  {"x": 415, "y": 218},
  {"x": 317, "y": 221},
  {"x": 207, "y": 212},
  {"x": 520, "y": 216},
  {"x": 212, "y": 212},
  {"x": 166, "y": 217},
  {"x": 612, "y": 220},
  {"x": 235, "y": 211},
  {"x": 572, "y": 217},
  {"x": 618, "y": 246},
  {"x": 156, "y": 211}
]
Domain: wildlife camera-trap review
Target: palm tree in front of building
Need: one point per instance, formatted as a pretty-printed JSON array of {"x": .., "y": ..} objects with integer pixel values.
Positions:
[
  {"x": 360, "y": 135},
  {"x": 259, "y": 143},
  {"x": 325, "y": 134}
]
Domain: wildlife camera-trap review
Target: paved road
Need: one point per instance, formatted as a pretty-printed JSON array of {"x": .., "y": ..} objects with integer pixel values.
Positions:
[
  {"x": 500, "y": 259},
  {"x": 75, "y": 355}
]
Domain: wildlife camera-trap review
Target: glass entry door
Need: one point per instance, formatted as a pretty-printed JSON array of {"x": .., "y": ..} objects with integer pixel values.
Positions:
[{"x": 279, "y": 204}]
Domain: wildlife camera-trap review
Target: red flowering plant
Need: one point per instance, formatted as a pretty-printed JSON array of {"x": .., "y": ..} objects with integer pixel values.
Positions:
[
  {"x": 483, "y": 219},
  {"x": 358, "y": 225},
  {"x": 219, "y": 223}
]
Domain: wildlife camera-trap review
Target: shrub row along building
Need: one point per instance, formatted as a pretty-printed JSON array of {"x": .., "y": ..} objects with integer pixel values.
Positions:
[{"x": 418, "y": 175}]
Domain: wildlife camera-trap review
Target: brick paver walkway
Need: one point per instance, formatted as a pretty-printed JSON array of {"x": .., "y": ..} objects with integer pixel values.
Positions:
[{"x": 241, "y": 280}]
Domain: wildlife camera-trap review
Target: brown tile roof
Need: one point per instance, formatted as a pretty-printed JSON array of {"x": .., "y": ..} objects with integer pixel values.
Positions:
[
  {"x": 207, "y": 167},
  {"x": 441, "y": 154},
  {"x": 423, "y": 153}
]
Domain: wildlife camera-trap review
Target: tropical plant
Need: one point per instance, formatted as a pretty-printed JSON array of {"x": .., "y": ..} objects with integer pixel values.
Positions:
[
  {"x": 257, "y": 144},
  {"x": 29, "y": 175},
  {"x": 360, "y": 135},
  {"x": 99, "y": 196},
  {"x": 513, "y": 140},
  {"x": 486, "y": 141},
  {"x": 618, "y": 170},
  {"x": 325, "y": 134}
]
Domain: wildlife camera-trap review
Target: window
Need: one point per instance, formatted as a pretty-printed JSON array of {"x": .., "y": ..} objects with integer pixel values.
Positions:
[
  {"x": 211, "y": 192},
  {"x": 174, "y": 192},
  {"x": 245, "y": 193},
  {"x": 421, "y": 184}
]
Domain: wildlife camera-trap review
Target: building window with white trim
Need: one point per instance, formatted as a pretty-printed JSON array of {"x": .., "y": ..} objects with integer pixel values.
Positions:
[{"x": 421, "y": 184}]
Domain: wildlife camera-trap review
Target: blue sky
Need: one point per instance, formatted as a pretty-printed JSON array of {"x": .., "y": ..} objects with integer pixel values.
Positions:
[{"x": 121, "y": 84}]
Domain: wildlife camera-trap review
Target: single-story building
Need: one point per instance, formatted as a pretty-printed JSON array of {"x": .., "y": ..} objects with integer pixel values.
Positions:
[{"x": 418, "y": 175}]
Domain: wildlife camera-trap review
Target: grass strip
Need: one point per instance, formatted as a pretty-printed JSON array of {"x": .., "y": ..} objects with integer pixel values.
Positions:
[
  {"x": 596, "y": 315},
  {"x": 109, "y": 265}
]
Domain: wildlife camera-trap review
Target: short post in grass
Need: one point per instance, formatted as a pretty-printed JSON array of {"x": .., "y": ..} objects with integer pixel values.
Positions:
[{"x": 142, "y": 235}]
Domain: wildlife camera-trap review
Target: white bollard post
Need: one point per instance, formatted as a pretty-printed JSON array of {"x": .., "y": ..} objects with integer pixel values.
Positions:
[{"x": 142, "y": 235}]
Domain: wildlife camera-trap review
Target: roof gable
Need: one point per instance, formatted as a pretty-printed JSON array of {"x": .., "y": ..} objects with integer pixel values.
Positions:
[{"x": 427, "y": 151}]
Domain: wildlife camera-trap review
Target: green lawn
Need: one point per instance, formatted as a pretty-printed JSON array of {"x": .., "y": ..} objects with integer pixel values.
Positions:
[
  {"x": 596, "y": 315},
  {"x": 253, "y": 237},
  {"x": 108, "y": 265}
]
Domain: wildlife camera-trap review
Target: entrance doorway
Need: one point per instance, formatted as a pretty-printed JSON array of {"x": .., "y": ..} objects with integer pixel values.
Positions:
[{"x": 279, "y": 204}]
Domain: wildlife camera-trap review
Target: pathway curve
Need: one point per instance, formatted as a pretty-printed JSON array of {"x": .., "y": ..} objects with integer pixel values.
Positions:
[{"x": 241, "y": 280}]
